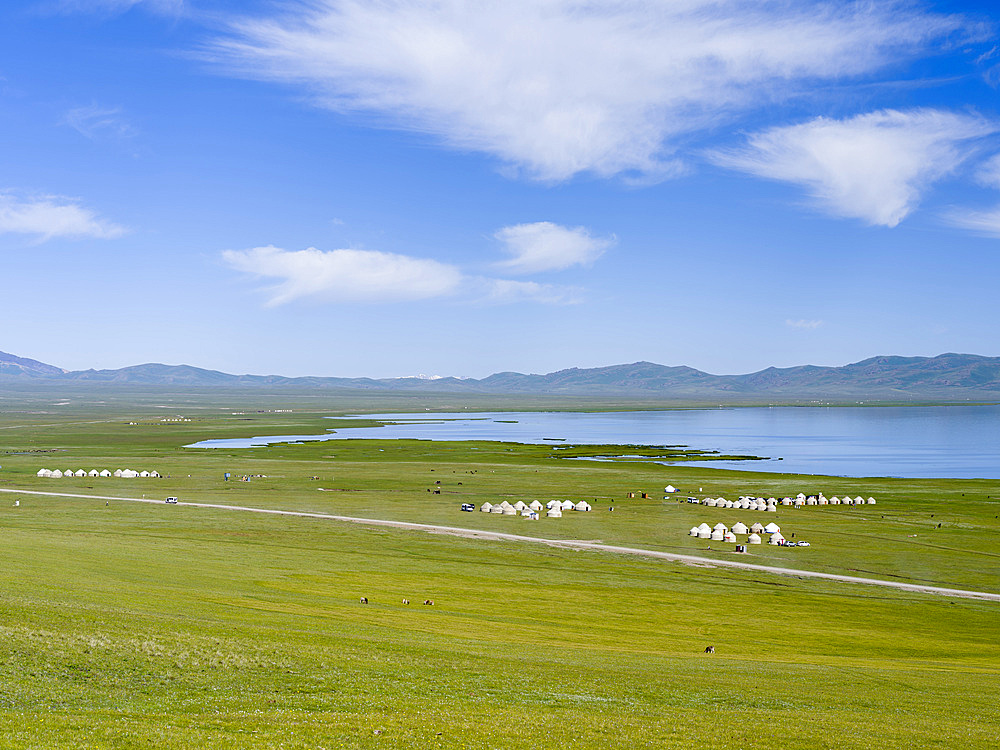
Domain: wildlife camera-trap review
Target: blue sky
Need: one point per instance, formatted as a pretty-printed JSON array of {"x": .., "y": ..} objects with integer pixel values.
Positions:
[{"x": 458, "y": 188}]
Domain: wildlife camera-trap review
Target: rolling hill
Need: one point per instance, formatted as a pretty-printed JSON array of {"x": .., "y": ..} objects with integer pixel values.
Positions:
[{"x": 950, "y": 377}]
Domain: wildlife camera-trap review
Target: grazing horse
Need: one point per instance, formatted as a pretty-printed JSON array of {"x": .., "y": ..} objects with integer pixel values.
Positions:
[
  {"x": 709, "y": 649},
  {"x": 429, "y": 601},
  {"x": 364, "y": 599},
  {"x": 406, "y": 601}
]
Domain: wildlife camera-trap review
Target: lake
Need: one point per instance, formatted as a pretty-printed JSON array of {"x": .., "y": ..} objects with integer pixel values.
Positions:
[{"x": 903, "y": 441}]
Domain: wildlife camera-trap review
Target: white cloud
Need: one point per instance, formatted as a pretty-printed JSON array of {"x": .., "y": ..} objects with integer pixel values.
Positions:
[
  {"x": 97, "y": 122},
  {"x": 544, "y": 246},
  {"x": 807, "y": 324},
  {"x": 560, "y": 87},
  {"x": 369, "y": 276},
  {"x": 346, "y": 275},
  {"x": 874, "y": 167},
  {"x": 53, "y": 216}
]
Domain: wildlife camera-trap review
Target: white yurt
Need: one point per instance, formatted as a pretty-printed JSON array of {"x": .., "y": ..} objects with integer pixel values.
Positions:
[
  {"x": 740, "y": 528},
  {"x": 582, "y": 505},
  {"x": 704, "y": 533},
  {"x": 720, "y": 500},
  {"x": 505, "y": 504},
  {"x": 753, "y": 539},
  {"x": 834, "y": 501},
  {"x": 772, "y": 508},
  {"x": 757, "y": 528},
  {"x": 528, "y": 512},
  {"x": 55, "y": 474},
  {"x": 535, "y": 505},
  {"x": 520, "y": 505},
  {"x": 130, "y": 474},
  {"x": 567, "y": 505},
  {"x": 553, "y": 503},
  {"x": 730, "y": 504},
  {"x": 705, "y": 501},
  {"x": 694, "y": 531},
  {"x": 705, "y": 527},
  {"x": 93, "y": 473},
  {"x": 786, "y": 501},
  {"x": 670, "y": 488},
  {"x": 154, "y": 474},
  {"x": 711, "y": 502},
  {"x": 118, "y": 472},
  {"x": 729, "y": 537},
  {"x": 68, "y": 473},
  {"x": 800, "y": 496},
  {"x": 812, "y": 501},
  {"x": 859, "y": 500},
  {"x": 772, "y": 528},
  {"x": 496, "y": 508},
  {"x": 144, "y": 474},
  {"x": 105, "y": 473},
  {"x": 509, "y": 511},
  {"x": 486, "y": 507},
  {"x": 717, "y": 535},
  {"x": 823, "y": 501},
  {"x": 720, "y": 527},
  {"x": 776, "y": 539},
  {"x": 79, "y": 473},
  {"x": 553, "y": 513},
  {"x": 43, "y": 473},
  {"x": 871, "y": 501}
]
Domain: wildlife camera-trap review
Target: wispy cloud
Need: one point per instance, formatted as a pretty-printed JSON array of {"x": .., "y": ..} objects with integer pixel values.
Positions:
[
  {"x": 346, "y": 275},
  {"x": 985, "y": 222},
  {"x": 807, "y": 324},
  {"x": 544, "y": 246},
  {"x": 48, "y": 217},
  {"x": 874, "y": 167},
  {"x": 507, "y": 291},
  {"x": 96, "y": 122},
  {"x": 980, "y": 221},
  {"x": 165, "y": 7},
  {"x": 561, "y": 87}
]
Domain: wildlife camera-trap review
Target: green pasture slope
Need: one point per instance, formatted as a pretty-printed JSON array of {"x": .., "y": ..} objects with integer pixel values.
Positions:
[{"x": 132, "y": 625}]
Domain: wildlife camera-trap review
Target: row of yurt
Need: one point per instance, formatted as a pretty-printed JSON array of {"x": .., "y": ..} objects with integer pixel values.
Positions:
[
  {"x": 771, "y": 503},
  {"x": 532, "y": 509},
  {"x": 126, "y": 473},
  {"x": 720, "y": 533}
]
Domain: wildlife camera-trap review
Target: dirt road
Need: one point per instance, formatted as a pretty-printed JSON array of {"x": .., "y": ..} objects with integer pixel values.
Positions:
[{"x": 564, "y": 543}]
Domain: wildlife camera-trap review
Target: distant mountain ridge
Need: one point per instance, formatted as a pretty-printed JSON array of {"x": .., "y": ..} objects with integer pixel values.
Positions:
[{"x": 945, "y": 377}]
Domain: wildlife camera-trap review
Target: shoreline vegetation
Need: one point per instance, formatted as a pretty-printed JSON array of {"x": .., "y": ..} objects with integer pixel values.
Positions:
[{"x": 153, "y": 623}]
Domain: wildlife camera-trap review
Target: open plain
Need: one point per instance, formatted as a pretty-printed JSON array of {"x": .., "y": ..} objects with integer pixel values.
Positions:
[{"x": 148, "y": 624}]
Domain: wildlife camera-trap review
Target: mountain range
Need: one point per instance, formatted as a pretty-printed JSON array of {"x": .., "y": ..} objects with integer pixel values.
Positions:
[{"x": 948, "y": 377}]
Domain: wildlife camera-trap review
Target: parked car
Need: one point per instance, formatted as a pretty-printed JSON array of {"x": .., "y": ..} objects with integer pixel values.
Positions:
[
  {"x": 171, "y": 500},
  {"x": 468, "y": 507}
]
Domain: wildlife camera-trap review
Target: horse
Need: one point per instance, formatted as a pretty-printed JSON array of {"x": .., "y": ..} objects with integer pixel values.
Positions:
[
  {"x": 429, "y": 602},
  {"x": 364, "y": 599},
  {"x": 709, "y": 649},
  {"x": 406, "y": 601}
]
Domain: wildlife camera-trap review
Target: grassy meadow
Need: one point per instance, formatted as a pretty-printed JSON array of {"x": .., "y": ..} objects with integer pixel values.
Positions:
[{"x": 127, "y": 625}]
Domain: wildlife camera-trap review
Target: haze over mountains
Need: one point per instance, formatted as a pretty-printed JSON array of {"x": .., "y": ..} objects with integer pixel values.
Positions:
[{"x": 951, "y": 377}]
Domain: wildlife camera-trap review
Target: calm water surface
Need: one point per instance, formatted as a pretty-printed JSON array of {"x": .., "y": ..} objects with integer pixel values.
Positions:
[{"x": 935, "y": 441}]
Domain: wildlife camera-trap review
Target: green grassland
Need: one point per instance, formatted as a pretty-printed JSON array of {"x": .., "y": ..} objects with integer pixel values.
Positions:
[{"x": 128, "y": 625}]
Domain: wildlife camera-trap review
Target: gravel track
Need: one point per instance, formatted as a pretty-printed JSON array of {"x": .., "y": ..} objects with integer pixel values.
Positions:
[{"x": 563, "y": 543}]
